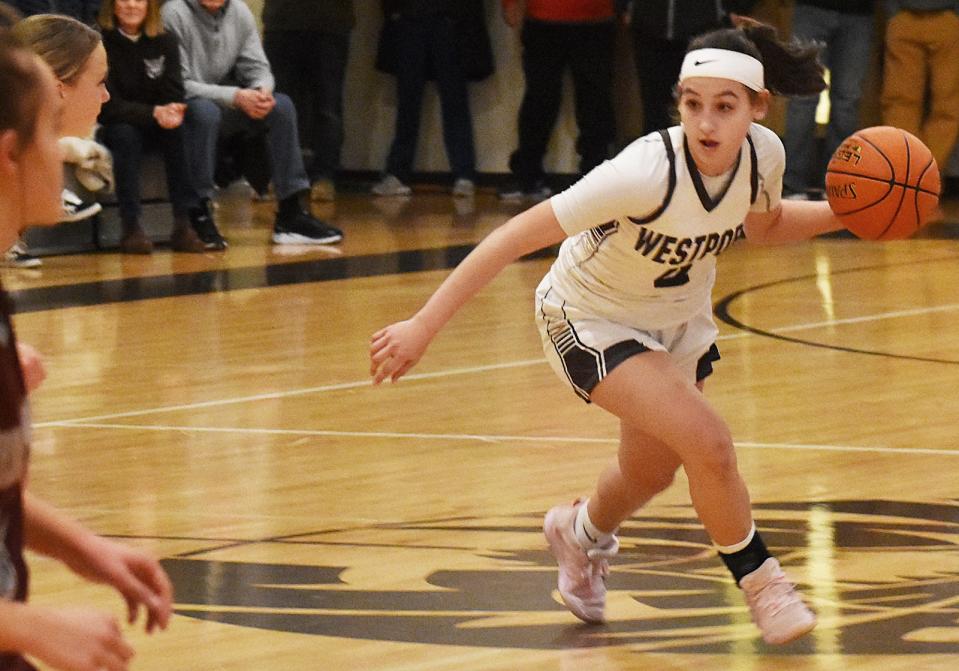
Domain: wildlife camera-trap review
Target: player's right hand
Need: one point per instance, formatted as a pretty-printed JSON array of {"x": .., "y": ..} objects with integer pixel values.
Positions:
[
  {"x": 396, "y": 348},
  {"x": 78, "y": 639}
]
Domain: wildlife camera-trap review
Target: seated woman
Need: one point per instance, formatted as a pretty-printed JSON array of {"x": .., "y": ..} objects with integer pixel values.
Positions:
[{"x": 145, "y": 112}]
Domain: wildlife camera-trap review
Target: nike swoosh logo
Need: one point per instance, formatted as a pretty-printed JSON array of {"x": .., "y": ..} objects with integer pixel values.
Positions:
[{"x": 698, "y": 63}]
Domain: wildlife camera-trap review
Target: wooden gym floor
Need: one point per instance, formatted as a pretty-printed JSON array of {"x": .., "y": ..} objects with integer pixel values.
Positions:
[{"x": 216, "y": 410}]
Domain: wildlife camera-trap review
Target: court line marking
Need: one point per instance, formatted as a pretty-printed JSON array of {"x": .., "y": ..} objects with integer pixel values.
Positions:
[
  {"x": 894, "y": 314},
  {"x": 464, "y": 371},
  {"x": 492, "y": 438}
]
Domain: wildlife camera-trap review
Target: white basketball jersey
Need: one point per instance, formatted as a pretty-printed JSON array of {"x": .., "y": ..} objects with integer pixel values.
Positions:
[{"x": 645, "y": 233}]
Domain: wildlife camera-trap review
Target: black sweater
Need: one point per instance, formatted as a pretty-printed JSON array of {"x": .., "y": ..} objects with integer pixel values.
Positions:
[{"x": 143, "y": 74}]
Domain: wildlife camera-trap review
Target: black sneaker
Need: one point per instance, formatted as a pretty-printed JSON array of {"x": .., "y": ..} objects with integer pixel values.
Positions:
[
  {"x": 201, "y": 218},
  {"x": 75, "y": 208},
  {"x": 304, "y": 229}
]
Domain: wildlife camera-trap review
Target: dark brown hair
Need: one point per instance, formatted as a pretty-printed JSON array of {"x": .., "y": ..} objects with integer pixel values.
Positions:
[{"x": 791, "y": 68}]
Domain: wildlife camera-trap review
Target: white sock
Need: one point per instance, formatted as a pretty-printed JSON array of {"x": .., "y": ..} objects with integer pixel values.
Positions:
[
  {"x": 586, "y": 532},
  {"x": 730, "y": 549}
]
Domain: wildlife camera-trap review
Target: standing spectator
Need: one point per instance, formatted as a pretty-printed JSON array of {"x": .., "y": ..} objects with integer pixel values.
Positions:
[
  {"x": 145, "y": 111},
  {"x": 229, "y": 92},
  {"x": 82, "y": 10},
  {"x": 307, "y": 44},
  {"x": 661, "y": 31},
  {"x": 846, "y": 29},
  {"x": 577, "y": 35},
  {"x": 424, "y": 36},
  {"x": 922, "y": 53}
]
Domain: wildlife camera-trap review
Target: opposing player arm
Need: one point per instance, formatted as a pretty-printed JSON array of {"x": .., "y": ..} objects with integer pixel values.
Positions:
[
  {"x": 396, "y": 348},
  {"x": 791, "y": 221},
  {"x": 136, "y": 575}
]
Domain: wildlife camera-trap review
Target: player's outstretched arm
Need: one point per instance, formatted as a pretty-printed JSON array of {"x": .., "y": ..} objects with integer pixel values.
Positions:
[
  {"x": 135, "y": 574},
  {"x": 396, "y": 348},
  {"x": 791, "y": 221}
]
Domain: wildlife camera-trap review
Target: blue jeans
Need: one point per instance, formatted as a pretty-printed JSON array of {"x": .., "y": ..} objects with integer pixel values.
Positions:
[
  {"x": 848, "y": 39},
  {"x": 128, "y": 143},
  {"x": 425, "y": 46},
  {"x": 206, "y": 123},
  {"x": 309, "y": 66}
]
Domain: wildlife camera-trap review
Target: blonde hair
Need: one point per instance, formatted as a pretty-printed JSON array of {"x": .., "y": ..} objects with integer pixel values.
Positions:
[
  {"x": 63, "y": 42},
  {"x": 152, "y": 24}
]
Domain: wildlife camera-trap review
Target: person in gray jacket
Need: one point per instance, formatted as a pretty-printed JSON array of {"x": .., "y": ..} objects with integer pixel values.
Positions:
[{"x": 229, "y": 92}]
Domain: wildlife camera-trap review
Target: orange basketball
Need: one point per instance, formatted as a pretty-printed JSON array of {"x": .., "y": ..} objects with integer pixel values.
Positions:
[{"x": 883, "y": 183}]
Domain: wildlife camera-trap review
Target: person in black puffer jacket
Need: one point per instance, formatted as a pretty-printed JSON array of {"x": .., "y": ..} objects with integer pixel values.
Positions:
[{"x": 430, "y": 38}]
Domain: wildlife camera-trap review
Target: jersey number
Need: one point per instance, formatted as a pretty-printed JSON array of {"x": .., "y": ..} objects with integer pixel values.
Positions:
[{"x": 674, "y": 277}]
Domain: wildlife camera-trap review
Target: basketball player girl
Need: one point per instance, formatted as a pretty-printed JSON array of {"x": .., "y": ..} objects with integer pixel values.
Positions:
[
  {"x": 625, "y": 311},
  {"x": 78, "y": 638},
  {"x": 74, "y": 50}
]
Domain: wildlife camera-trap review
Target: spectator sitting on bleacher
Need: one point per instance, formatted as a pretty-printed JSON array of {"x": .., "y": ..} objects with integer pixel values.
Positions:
[
  {"x": 229, "y": 91},
  {"x": 145, "y": 112}
]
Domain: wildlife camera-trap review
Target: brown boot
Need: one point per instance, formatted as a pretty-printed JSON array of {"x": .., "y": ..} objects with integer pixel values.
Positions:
[
  {"x": 135, "y": 241},
  {"x": 185, "y": 239}
]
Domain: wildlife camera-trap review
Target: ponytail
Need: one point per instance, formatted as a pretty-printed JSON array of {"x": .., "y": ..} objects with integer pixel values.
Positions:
[{"x": 791, "y": 68}]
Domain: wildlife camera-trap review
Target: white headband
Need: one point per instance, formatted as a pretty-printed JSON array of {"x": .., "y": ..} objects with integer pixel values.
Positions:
[{"x": 724, "y": 64}]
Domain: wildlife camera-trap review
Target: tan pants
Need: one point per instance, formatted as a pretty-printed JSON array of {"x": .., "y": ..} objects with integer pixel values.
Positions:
[{"x": 922, "y": 51}]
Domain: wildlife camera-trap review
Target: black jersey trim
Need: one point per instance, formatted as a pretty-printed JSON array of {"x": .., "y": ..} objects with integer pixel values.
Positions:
[
  {"x": 704, "y": 367},
  {"x": 753, "y": 171},
  {"x": 709, "y": 204},
  {"x": 671, "y": 187},
  {"x": 581, "y": 363}
]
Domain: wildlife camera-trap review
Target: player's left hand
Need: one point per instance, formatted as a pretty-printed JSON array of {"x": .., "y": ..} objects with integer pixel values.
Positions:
[{"x": 136, "y": 575}]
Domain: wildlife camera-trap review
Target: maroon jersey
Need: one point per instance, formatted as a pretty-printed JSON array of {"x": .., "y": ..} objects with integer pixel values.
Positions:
[{"x": 14, "y": 453}]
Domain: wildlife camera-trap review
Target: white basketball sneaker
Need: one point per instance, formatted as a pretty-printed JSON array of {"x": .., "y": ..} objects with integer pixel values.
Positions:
[
  {"x": 776, "y": 606},
  {"x": 582, "y": 573}
]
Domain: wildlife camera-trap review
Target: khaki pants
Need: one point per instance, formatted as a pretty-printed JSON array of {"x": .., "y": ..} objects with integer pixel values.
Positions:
[{"x": 922, "y": 51}]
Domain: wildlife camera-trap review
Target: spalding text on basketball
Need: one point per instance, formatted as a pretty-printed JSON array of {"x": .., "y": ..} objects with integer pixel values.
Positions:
[{"x": 845, "y": 191}]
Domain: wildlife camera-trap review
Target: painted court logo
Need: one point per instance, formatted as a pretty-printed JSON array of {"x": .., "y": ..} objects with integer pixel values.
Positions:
[{"x": 883, "y": 577}]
